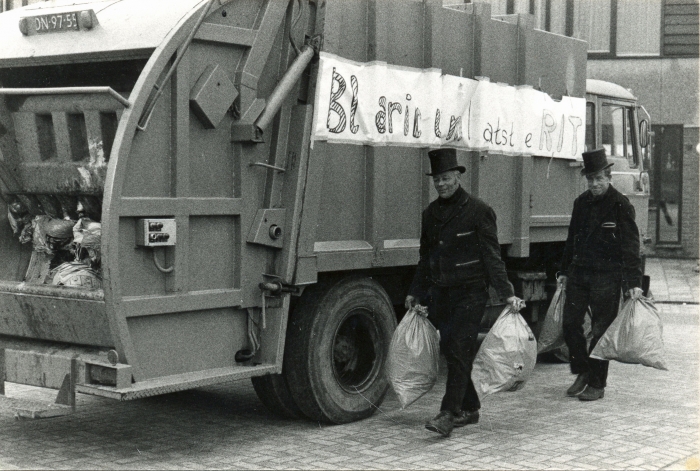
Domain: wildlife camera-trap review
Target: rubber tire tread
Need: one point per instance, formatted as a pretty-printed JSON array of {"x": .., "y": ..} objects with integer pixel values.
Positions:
[
  {"x": 273, "y": 392},
  {"x": 316, "y": 303}
]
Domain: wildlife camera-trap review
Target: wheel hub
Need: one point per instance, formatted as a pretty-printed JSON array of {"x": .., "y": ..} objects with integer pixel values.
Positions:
[{"x": 355, "y": 347}]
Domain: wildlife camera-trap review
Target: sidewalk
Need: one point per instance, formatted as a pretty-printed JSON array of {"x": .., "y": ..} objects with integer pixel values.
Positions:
[
  {"x": 674, "y": 280},
  {"x": 648, "y": 420}
]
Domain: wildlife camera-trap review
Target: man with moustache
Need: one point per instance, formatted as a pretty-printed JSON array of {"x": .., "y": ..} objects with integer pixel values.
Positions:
[
  {"x": 459, "y": 257},
  {"x": 601, "y": 259}
]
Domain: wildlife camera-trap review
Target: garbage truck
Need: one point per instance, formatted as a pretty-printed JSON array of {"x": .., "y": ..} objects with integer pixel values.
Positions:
[{"x": 171, "y": 217}]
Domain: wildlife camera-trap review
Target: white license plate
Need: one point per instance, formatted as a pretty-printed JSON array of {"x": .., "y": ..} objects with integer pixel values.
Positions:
[{"x": 55, "y": 23}]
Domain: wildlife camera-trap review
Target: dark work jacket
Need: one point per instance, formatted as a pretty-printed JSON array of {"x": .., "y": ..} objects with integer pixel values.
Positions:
[
  {"x": 607, "y": 240},
  {"x": 460, "y": 247}
]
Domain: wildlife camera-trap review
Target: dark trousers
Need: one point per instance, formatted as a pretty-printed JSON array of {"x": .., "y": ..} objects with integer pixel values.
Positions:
[
  {"x": 600, "y": 291},
  {"x": 457, "y": 313}
]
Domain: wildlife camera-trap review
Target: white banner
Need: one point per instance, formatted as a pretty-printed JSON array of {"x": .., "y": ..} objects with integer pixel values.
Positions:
[{"x": 380, "y": 104}]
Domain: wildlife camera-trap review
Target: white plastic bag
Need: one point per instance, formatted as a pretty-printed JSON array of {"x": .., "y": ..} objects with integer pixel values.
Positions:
[
  {"x": 507, "y": 356},
  {"x": 552, "y": 333},
  {"x": 635, "y": 336},
  {"x": 414, "y": 356}
]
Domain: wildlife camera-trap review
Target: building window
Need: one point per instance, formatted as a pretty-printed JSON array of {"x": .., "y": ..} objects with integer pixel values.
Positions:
[
  {"x": 634, "y": 28},
  {"x": 615, "y": 28},
  {"x": 592, "y": 19},
  {"x": 638, "y": 27}
]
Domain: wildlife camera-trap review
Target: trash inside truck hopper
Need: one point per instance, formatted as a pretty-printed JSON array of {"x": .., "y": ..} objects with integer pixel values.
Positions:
[{"x": 180, "y": 133}]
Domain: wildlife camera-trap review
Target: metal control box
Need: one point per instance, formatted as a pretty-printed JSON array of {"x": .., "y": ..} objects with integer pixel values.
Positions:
[{"x": 155, "y": 232}]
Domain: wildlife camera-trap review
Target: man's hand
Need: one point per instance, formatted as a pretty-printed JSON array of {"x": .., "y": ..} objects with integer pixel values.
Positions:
[
  {"x": 410, "y": 302},
  {"x": 516, "y": 303},
  {"x": 635, "y": 293}
]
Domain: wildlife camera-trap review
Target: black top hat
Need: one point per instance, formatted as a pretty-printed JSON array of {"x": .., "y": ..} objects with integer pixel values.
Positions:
[
  {"x": 444, "y": 160},
  {"x": 595, "y": 161}
]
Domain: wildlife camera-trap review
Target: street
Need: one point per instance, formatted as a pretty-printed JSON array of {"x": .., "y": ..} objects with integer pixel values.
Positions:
[{"x": 647, "y": 420}]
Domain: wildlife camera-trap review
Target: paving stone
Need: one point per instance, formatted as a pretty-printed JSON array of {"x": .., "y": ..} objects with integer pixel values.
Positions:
[{"x": 648, "y": 420}]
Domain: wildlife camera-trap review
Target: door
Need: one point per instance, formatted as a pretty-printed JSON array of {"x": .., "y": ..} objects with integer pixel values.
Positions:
[
  {"x": 620, "y": 138},
  {"x": 666, "y": 180}
]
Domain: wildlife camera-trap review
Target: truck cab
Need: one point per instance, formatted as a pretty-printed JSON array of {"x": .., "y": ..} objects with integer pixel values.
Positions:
[{"x": 616, "y": 122}]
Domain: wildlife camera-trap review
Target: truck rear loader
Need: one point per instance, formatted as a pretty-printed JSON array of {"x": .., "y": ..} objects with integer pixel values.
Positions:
[{"x": 233, "y": 245}]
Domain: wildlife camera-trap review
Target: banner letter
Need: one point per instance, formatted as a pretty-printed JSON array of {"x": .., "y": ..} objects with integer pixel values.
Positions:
[
  {"x": 548, "y": 127},
  {"x": 575, "y": 121},
  {"x": 335, "y": 106}
]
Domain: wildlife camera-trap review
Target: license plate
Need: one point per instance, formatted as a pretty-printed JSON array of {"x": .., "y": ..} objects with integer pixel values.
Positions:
[{"x": 55, "y": 23}]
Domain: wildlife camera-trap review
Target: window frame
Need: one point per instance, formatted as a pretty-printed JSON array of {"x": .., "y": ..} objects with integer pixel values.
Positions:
[
  {"x": 593, "y": 105},
  {"x": 612, "y": 53},
  {"x": 629, "y": 120}
]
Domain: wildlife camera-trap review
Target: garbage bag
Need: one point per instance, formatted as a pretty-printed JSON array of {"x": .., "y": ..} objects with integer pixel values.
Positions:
[
  {"x": 74, "y": 275},
  {"x": 635, "y": 336},
  {"x": 414, "y": 356},
  {"x": 506, "y": 357},
  {"x": 552, "y": 333},
  {"x": 51, "y": 234},
  {"x": 87, "y": 236}
]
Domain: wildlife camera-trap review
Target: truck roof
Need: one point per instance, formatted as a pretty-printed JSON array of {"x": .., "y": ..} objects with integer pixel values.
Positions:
[
  {"x": 603, "y": 88},
  {"x": 126, "y": 29}
]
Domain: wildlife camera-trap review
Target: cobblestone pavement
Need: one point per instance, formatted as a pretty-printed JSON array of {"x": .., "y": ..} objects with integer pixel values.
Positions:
[
  {"x": 673, "y": 280},
  {"x": 647, "y": 420}
]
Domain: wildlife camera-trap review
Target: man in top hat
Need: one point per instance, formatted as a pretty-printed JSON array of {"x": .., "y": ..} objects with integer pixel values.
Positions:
[
  {"x": 601, "y": 259},
  {"x": 459, "y": 257}
]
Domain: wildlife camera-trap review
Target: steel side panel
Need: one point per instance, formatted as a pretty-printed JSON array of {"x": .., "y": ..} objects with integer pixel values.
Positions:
[
  {"x": 35, "y": 369},
  {"x": 73, "y": 321},
  {"x": 45, "y": 364},
  {"x": 342, "y": 208},
  {"x": 188, "y": 342},
  {"x": 499, "y": 51},
  {"x": 496, "y": 176},
  {"x": 554, "y": 188},
  {"x": 452, "y": 43},
  {"x": 556, "y": 64},
  {"x": 397, "y": 33}
]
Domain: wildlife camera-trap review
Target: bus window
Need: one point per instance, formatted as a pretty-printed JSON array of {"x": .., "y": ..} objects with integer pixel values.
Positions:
[
  {"x": 612, "y": 126},
  {"x": 590, "y": 126}
]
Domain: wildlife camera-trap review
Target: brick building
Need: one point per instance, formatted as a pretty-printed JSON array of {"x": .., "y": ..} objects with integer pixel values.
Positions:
[{"x": 651, "y": 48}]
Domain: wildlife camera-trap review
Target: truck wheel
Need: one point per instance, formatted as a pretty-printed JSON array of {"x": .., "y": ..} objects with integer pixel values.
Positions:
[
  {"x": 273, "y": 392},
  {"x": 338, "y": 340}
]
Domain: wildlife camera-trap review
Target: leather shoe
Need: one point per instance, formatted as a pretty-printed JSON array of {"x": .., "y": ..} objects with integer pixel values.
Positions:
[
  {"x": 591, "y": 394},
  {"x": 578, "y": 386},
  {"x": 443, "y": 423},
  {"x": 466, "y": 417}
]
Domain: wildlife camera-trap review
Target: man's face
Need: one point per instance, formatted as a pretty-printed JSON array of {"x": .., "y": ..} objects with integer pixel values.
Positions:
[
  {"x": 598, "y": 183},
  {"x": 446, "y": 183}
]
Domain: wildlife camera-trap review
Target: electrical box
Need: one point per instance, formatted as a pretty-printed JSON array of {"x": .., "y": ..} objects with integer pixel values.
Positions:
[{"x": 155, "y": 232}]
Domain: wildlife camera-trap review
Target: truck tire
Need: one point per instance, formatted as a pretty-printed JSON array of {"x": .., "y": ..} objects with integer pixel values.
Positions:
[
  {"x": 273, "y": 392},
  {"x": 337, "y": 343}
]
